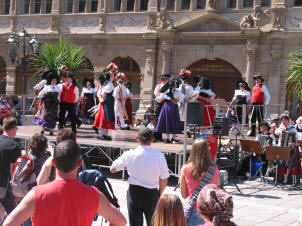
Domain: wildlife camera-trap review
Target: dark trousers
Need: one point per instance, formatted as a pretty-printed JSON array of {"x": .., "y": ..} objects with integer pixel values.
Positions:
[
  {"x": 257, "y": 114},
  {"x": 158, "y": 106},
  {"x": 8, "y": 202},
  {"x": 141, "y": 200},
  {"x": 70, "y": 108}
]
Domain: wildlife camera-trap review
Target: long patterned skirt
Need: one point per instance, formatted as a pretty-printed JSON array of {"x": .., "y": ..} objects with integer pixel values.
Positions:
[
  {"x": 128, "y": 105},
  {"x": 86, "y": 103},
  {"x": 105, "y": 118},
  {"x": 169, "y": 120},
  {"x": 47, "y": 115}
]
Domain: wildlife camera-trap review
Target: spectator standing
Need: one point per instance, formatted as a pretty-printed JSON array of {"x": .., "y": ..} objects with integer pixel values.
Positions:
[
  {"x": 215, "y": 206},
  {"x": 47, "y": 173},
  {"x": 260, "y": 97},
  {"x": 9, "y": 152},
  {"x": 148, "y": 177},
  {"x": 169, "y": 211},
  {"x": 193, "y": 172},
  {"x": 71, "y": 202}
]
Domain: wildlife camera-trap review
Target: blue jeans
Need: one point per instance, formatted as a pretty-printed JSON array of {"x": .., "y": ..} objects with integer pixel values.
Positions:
[{"x": 195, "y": 219}]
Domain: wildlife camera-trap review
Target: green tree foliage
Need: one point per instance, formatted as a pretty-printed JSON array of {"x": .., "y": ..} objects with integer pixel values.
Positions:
[
  {"x": 294, "y": 73},
  {"x": 62, "y": 52}
]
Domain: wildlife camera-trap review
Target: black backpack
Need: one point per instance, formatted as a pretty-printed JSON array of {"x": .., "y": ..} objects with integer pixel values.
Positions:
[{"x": 95, "y": 178}]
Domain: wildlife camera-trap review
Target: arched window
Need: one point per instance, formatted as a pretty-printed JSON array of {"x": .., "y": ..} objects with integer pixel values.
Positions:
[
  {"x": 201, "y": 4},
  {"x": 94, "y": 6},
  {"x": 144, "y": 5},
  {"x": 82, "y": 5},
  {"x": 265, "y": 3},
  {"x": 37, "y": 6},
  {"x": 130, "y": 5},
  {"x": 116, "y": 7},
  {"x": 248, "y": 3},
  {"x": 185, "y": 4},
  {"x": 26, "y": 6},
  {"x": 6, "y": 6},
  {"x": 48, "y": 6},
  {"x": 298, "y": 2},
  {"x": 69, "y": 6},
  {"x": 231, "y": 4}
]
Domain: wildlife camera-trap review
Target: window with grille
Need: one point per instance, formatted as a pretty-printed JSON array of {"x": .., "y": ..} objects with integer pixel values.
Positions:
[
  {"x": 170, "y": 5},
  {"x": 185, "y": 4},
  {"x": 25, "y": 6},
  {"x": 231, "y": 4},
  {"x": 48, "y": 6},
  {"x": 248, "y": 3},
  {"x": 130, "y": 5},
  {"x": 94, "y": 6},
  {"x": 265, "y": 3},
  {"x": 144, "y": 5},
  {"x": 37, "y": 6},
  {"x": 69, "y": 6},
  {"x": 6, "y": 6},
  {"x": 82, "y": 5},
  {"x": 298, "y": 2},
  {"x": 201, "y": 4}
]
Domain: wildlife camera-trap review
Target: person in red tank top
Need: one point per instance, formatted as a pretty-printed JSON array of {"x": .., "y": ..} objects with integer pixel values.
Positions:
[
  {"x": 65, "y": 201},
  {"x": 260, "y": 97}
]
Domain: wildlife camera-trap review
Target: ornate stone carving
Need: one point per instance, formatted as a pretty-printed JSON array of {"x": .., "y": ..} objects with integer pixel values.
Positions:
[
  {"x": 257, "y": 19},
  {"x": 279, "y": 18},
  {"x": 212, "y": 4},
  {"x": 54, "y": 24},
  {"x": 13, "y": 23},
  {"x": 149, "y": 67},
  {"x": 102, "y": 23},
  {"x": 160, "y": 20}
]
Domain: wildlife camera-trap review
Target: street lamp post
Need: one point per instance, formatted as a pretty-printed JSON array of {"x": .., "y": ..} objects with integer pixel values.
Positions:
[{"x": 13, "y": 45}]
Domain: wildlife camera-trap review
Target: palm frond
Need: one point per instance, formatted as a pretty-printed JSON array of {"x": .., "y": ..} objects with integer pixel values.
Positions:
[
  {"x": 63, "y": 52},
  {"x": 294, "y": 73}
]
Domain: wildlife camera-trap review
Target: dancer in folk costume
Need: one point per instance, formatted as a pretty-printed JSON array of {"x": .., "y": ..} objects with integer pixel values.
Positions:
[
  {"x": 159, "y": 101},
  {"x": 128, "y": 103},
  {"x": 47, "y": 115},
  {"x": 104, "y": 118},
  {"x": 169, "y": 121},
  {"x": 86, "y": 100},
  {"x": 205, "y": 97},
  {"x": 187, "y": 90},
  {"x": 120, "y": 95},
  {"x": 69, "y": 98}
]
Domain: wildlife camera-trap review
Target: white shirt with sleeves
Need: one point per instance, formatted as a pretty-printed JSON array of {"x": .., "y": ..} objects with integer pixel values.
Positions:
[
  {"x": 188, "y": 91},
  {"x": 239, "y": 92},
  {"x": 145, "y": 166},
  {"x": 40, "y": 85},
  {"x": 86, "y": 90},
  {"x": 267, "y": 96},
  {"x": 49, "y": 88},
  {"x": 106, "y": 88}
]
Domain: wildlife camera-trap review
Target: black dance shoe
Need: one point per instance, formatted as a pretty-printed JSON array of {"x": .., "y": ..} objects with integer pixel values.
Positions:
[
  {"x": 107, "y": 137},
  {"x": 96, "y": 130}
]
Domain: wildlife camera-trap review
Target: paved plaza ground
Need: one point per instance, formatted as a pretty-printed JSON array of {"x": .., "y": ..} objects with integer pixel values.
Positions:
[{"x": 260, "y": 204}]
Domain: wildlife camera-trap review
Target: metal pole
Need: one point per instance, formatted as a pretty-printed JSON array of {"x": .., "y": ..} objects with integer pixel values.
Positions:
[
  {"x": 185, "y": 135},
  {"x": 23, "y": 65},
  {"x": 243, "y": 120}
]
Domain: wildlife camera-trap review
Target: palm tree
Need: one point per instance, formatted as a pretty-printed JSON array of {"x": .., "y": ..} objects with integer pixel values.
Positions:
[
  {"x": 63, "y": 52},
  {"x": 294, "y": 73}
]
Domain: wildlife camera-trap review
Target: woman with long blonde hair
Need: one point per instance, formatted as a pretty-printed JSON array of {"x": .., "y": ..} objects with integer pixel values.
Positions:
[
  {"x": 169, "y": 211},
  {"x": 192, "y": 174}
]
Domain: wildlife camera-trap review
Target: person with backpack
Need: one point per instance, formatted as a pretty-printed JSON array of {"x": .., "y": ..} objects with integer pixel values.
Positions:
[
  {"x": 148, "y": 177},
  {"x": 9, "y": 152},
  {"x": 70, "y": 201}
]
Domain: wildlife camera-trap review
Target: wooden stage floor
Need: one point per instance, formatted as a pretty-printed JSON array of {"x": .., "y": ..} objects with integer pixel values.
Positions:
[{"x": 125, "y": 139}]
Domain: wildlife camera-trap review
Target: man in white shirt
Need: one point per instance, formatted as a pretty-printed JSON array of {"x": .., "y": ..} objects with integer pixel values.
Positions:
[
  {"x": 260, "y": 97},
  {"x": 148, "y": 177}
]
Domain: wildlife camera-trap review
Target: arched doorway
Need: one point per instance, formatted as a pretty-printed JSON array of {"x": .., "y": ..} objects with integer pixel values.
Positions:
[
  {"x": 29, "y": 81},
  {"x": 222, "y": 76},
  {"x": 2, "y": 76},
  {"x": 133, "y": 72},
  {"x": 85, "y": 75}
]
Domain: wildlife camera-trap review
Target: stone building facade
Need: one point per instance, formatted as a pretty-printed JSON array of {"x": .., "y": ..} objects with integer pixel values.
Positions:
[{"x": 221, "y": 39}]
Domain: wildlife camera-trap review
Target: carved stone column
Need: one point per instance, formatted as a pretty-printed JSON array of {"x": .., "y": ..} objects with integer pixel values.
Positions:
[
  {"x": 75, "y": 6},
  {"x": 136, "y": 6},
  {"x": 12, "y": 8},
  {"x": 166, "y": 54},
  {"x": 124, "y": 6},
  {"x": 31, "y": 7},
  {"x": 1, "y": 7},
  {"x": 250, "y": 67},
  {"x": 87, "y": 6},
  {"x": 238, "y": 4},
  {"x": 43, "y": 7},
  {"x": 147, "y": 84},
  {"x": 10, "y": 80},
  {"x": 107, "y": 7},
  {"x": 100, "y": 6},
  {"x": 55, "y": 15},
  {"x": 102, "y": 22},
  {"x": 56, "y": 7},
  {"x": 193, "y": 5},
  {"x": 152, "y": 5},
  {"x": 279, "y": 15},
  {"x": 177, "y": 5},
  {"x": 275, "y": 72},
  {"x": 256, "y": 2}
]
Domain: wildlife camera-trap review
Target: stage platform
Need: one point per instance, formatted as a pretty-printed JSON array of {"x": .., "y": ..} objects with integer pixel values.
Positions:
[{"x": 102, "y": 153}]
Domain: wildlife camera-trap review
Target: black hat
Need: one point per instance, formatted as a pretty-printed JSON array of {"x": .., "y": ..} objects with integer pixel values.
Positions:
[
  {"x": 258, "y": 76},
  {"x": 165, "y": 76},
  {"x": 86, "y": 80},
  {"x": 265, "y": 124},
  {"x": 244, "y": 83},
  {"x": 105, "y": 76},
  {"x": 52, "y": 75}
]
